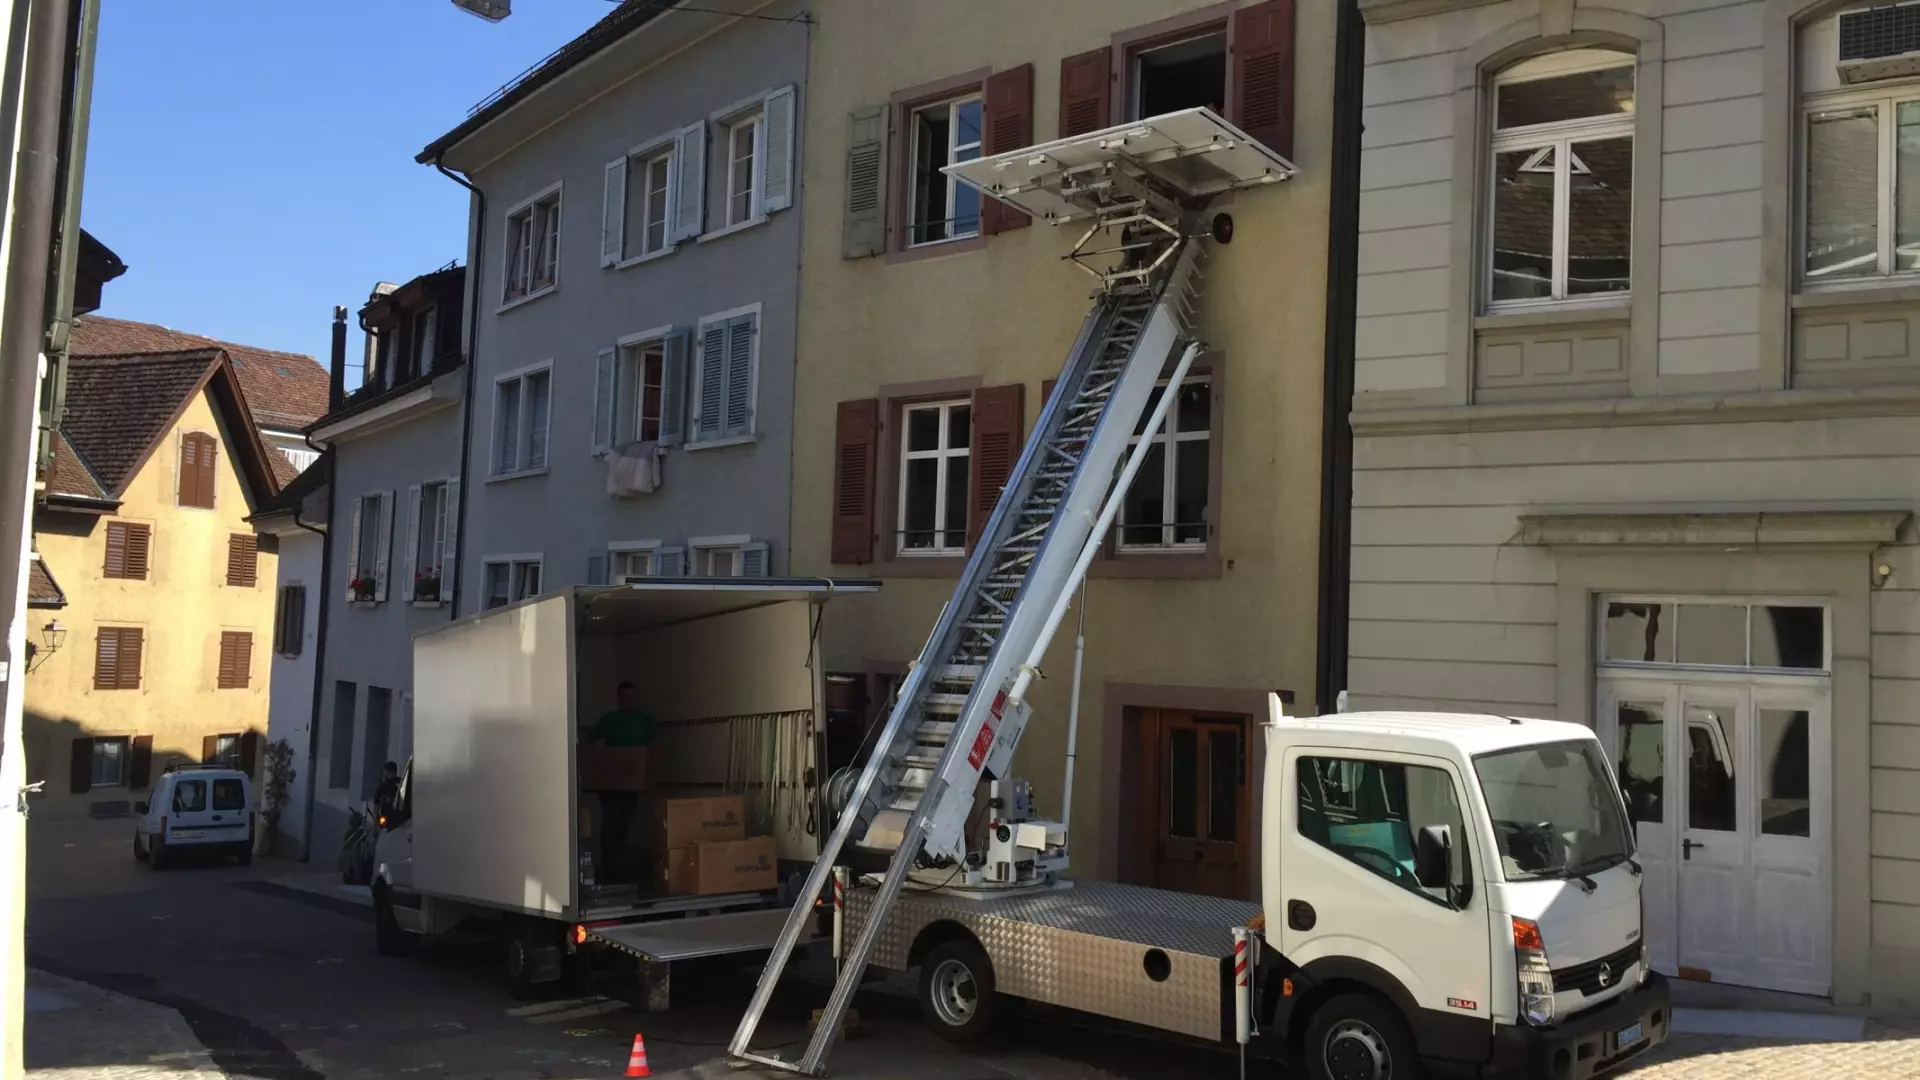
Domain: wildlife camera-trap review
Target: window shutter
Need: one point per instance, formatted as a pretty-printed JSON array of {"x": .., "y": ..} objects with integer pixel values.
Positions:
[
  {"x": 613, "y": 212},
  {"x": 855, "y": 441},
  {"x": 353, "y": 547},
  {"x": 411, "y": 553},
  {"x": 777, "y": 185},
  {"x": 139, "y": 539},
  {"x": 249, "y": 751},
  {"x": 106, "y": 659},
  {"x": 450, "y": 540},
  {"x": 690, "y": 187},
  {"x": 740, "y": 334},
  {"x": 597, "y": 569},
  {"x": 1262, "y": 74},
  {"x": 209, "y": 748},
  {"x": 383, "y": 545},
  {"x": 116, "y": 550},
  {"x": 710, "y": 401},
  {"x": 1086, "y": 92},
  {"x": 80, "y": 769},
  {"x": 189, "y": 478},
  {"x": 127, "y": 674},
  {"x": 754, "y": 559},
  {"x": 236, "y": 659},
  {"x": 140, "y": 767},
  {"x": 863, "y": 230},
  {"x": 603, "y": 398},
  {"x": 297, "y": 621},
  {"x": 996, "y": 446},
  {"x": 208, "y": 487},
  {"x": 670, "y": 562},
  {"x": 1007, "y": 114},
  {"x": 243, "y": 560},
  {"x": 673, "y": 388}
]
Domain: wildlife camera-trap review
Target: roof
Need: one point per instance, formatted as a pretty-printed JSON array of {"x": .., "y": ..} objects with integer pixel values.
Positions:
[
  {"x": 69, "y": 474},
  {"x": 42, "y": 590},
  {"x": 1469, "y": 733},
  {"x": 284, "y": 390},
  {"x": 294, "y": 492},
  {"x": 629, "y": 16}
]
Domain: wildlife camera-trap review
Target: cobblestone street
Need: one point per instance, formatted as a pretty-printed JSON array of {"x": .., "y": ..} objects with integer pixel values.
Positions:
[{"x": 1889, "y": 1050}]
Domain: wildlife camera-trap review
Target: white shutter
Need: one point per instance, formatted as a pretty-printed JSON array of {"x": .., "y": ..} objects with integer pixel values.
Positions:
[
  {"x": 450, "y": 540},
  {"x": 604, "y": 383},
  {"x": 383, "y": 541},
  {"x": 739, "y": 405},
  {"x": 754, "y": 559},
  {"x": 353, "y": 548},
  {"x": 613, "y": 212},
  {"x": 673, "y": 388},
  {"x": 776, "y": 192},
  {"x": 410, "y": 553},
  {"x": 670, "y": 562},
  {"x": 539, "y": 399},
  {"x": 690, "y": 187},
  {"x": 709, "y": 407},
  {"x": 597, "y": 569}
]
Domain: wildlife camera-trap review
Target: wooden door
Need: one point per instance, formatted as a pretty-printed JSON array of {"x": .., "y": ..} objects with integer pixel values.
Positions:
[{"x": 1198, "y": 839}]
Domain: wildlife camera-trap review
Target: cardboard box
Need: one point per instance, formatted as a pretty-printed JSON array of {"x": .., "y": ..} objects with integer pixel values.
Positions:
[
  {"x": 729, "y": 866},
  {"x": 677, "y": 870},
  {"x": 685, "y": 822},
  {"x": 613, "y": 768}
]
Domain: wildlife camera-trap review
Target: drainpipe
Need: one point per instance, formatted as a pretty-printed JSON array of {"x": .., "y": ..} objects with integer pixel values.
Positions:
[
  {"x": 337, "y": 358},
  {"x": 474, "y": 263},
  {"x": 60, "y": 313},
  {"x": 1336, "y": 434}
]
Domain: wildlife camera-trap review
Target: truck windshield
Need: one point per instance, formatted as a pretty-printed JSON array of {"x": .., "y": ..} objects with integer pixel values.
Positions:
[{"x": 1555, "y": 814}]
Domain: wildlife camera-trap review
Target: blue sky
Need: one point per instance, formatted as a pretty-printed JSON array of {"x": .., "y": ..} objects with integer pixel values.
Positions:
[{"x": 252, "y": 160}]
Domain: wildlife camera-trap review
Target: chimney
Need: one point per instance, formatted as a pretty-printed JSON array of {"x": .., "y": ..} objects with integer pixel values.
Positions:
[{"x": 337, "y": 376}]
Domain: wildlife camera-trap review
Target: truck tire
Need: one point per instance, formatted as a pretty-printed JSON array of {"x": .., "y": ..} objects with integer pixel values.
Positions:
[
  {"x": 157, "y": 854},
  {"x": 388, "y": 938},
  {"x": 139, "y": 850},
  {"x": 957, "y": 994},
  {"x": 1360, "y": 1037},
  {"x": 531, "y": 953}
]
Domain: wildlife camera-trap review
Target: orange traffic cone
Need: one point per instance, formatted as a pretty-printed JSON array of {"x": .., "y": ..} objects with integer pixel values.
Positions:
[{"x": 637, "y": 1061}]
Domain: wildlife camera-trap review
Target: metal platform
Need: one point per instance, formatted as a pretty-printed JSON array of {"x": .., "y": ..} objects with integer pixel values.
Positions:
[{"x": 689, "y": 939}]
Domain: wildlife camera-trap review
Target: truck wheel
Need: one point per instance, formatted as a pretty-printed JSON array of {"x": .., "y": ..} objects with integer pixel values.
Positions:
[
  {"x": 1360, "y": 1037},
  {"x": 957, "y": 994},
  {"x": 532, "y": 955},
  {"x": 157, "y": 856},
  {"x": 139, "y": 851},
  {"x": 388, "y": 938}
]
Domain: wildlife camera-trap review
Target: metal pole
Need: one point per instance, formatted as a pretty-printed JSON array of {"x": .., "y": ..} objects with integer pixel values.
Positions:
[{"x": 1073, "y": 713}]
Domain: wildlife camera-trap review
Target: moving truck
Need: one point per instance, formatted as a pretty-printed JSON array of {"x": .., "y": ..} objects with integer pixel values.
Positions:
[{"x": 498, "y": 826}]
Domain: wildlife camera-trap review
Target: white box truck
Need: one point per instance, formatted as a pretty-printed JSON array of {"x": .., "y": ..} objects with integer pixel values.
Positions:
[{"x": 493, "y": 830}]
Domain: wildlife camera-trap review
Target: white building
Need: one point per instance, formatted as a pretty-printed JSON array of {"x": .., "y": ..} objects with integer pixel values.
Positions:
[{"x": 297, "y": 520}]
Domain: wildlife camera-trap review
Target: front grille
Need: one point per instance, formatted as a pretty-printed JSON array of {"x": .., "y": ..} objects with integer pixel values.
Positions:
[{"x": 1586, "y": 977}]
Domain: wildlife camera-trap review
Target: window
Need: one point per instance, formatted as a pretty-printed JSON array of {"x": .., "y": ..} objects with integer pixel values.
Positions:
[
  {"x": 1714, "y": 633},
  {"x": 511, "y": 579},
  {"x": 533, "y": 247},
  {"x": 1166, "y": 508},
  {"x": 116, "y": 658},
  {"x": 645, "y": 558},
  {"x": 220, "y": 750},
  {"x": 728, "y": 556},
  {"x": 243, "y": 560},
  {"x": 724, "y": 380},
  {"x": 127, "y": 549},
  {"x": 1371, "y": 811},
  {"x": 198, "y": 454},
  {"x": 935, "y": 459},
  {"x": 649, "y": 203},
  {"x": 1186, "y": 74},
  {"x": 1562, "y": 179},
  {"x": 425, "y": 327},
  {"x": 189, "y": 796},
  {"x": 370, "y": 543},
  {"x": 230, "y": 794},
  {"x": 1862, "y": 201},
  {"x": 110, "y": 762},
  {"x": 290, "y": 620},
  {"x": 520, "y": 413},
  {"x": 942, "y": 208},
  {"x": 236, "y": 659},
  {"x": 340, "y": 753},
  {"x": 428, "y": 532},
  {"x": 743, "y": 137},
  {"x": 647, "y": 365}
]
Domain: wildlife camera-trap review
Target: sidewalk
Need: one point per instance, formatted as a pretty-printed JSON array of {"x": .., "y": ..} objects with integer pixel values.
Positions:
[{"x": 75, "y": 1031}]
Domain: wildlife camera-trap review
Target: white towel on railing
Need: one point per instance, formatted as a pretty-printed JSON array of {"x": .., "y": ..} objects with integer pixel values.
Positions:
[{"x": 633, "y": 469}]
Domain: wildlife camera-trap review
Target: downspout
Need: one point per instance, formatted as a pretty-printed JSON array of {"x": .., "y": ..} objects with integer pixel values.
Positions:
[
  {"x": 74, "y": 162},
  {"x": 474, "y": 263},
  {"x": 338, "y": 359},
  {"x": 1336, "y": 432}
]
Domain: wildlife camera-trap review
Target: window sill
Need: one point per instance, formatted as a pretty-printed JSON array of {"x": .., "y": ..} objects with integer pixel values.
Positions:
[
  {"x": 647, "y": 258},
  {"x": 426, "y": 605},
  {"x": 715, "y": 444},
  {"x": 1163, "y": 563},
  {"x": 1557, "y": 315},
  {"x": 516, "y": 474},
  {"x": 364, "y": 605},
  {"x": 729, "y": 230},
  {"x": 937, "y": 249},
  {"x": 527, "y": 299},
  {"x": 1851, "y": 295}
]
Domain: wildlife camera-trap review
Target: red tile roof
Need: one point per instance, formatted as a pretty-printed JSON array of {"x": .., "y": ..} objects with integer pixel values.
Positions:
[
  {"x": 284, "y": 390},
  {"x": 69, "y": 475},
  {"x": 42, "y": 590},
  {"x": 118, "y": 406}
]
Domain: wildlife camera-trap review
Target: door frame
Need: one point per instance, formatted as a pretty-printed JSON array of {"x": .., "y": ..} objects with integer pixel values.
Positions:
[{"x": 1148, "y": 748}]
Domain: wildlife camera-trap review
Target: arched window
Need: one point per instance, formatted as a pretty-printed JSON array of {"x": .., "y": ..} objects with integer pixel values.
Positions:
[{"x": 1562, "y": 179}]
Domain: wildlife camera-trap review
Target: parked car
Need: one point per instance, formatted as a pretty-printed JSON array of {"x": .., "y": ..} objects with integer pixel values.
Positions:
[{"x": 196, "y": 808}]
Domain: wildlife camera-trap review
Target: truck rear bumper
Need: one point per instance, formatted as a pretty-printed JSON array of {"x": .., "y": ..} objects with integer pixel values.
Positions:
[{"x": 1588, "y": 1044}]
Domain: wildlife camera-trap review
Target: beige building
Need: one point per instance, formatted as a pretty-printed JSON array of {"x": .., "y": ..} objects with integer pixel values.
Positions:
[
  {"x": 1636, "y": 421},
  {"x": 931, "y": 326}
]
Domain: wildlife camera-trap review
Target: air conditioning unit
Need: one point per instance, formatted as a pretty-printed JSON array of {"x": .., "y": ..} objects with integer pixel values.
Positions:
[{"x": 1879, "y": 42}]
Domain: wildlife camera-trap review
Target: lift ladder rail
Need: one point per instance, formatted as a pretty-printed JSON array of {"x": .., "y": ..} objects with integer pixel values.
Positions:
[{"x": 1024, "y": 562}]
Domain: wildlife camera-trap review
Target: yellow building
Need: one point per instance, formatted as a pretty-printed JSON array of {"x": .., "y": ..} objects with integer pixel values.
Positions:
[{"x": 153, "y": 605}]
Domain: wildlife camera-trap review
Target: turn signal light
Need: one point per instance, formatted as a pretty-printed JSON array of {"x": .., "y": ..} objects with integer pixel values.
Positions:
[
  {"x": 1526, "y": 935},
  {"x": 1286, "y": 987},
  {"x": 579, "y": 935}
]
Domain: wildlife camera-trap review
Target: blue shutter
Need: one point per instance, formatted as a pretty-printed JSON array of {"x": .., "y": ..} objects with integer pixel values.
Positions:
[
  {"x": 673, "y": 388},
  {"x": 711, "y": 408},
  {"x": 740, "y": 333}
]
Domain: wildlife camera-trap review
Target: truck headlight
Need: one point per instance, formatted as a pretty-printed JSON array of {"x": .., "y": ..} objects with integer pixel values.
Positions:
[{"x": 1536, "y": 977}]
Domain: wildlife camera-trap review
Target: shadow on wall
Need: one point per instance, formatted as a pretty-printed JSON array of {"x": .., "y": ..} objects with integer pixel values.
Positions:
[{"x": 118, "y": 771}]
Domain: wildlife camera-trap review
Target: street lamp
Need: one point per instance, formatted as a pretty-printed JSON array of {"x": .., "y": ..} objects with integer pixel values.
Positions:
[
  {"x": 55, "y": 635},
  {"x": 490, "y": 10}
]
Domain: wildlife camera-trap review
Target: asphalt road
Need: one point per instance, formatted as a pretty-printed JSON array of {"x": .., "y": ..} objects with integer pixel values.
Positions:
[{"x": 283, "y": 985}]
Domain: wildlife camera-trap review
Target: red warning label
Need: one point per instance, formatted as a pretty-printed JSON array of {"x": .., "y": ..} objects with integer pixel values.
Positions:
[{"x": 981, "y": 744}]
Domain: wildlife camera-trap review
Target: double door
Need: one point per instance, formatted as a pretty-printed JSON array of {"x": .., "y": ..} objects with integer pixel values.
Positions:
[
  {"x": 1728, "y": 787},
  {"x": 1198, "y": 780}
]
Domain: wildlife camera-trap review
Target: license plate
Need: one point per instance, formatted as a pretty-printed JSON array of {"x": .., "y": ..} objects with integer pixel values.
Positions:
[
  {"x": 186, "y": 834},
  {"x": 1627, "y": 1037}
]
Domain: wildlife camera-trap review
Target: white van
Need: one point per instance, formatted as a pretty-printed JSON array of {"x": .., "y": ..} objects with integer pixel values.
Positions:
[{"x": 205, "y": 808}]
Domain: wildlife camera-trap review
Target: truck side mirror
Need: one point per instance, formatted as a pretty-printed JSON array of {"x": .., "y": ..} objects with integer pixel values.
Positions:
[{"x": 1433, "y": 856}]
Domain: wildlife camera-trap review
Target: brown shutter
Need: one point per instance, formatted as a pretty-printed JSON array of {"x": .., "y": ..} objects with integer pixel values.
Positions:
[
  {"x": 116, "y": 550},
  {"x": 1086, "y": 92},
  {"x": 1007, "y": 114},
  {"x": 855, "y": 441},
  {"x": 209, "y": 452},
  {"x": 140, "y": 770},
  {"x": 1262, "y": 73},
  {"x": 236, "y": 659},
  {"x": 139, "y": 540},
  {"x": 997, "y": 415},
  {"x": 249, "y": 751},
  {"x": 863, "y": 229},
  {"x": 1046, "y": 391},
  {"x": 243, "y": 559},
  {"x": 209, "y": 748},
  {"x": 106, "y": 659},
  {"x": 129, "y": 665},
  {"x": 189, "y": 470},
  {"x": 80, "y": 769}
]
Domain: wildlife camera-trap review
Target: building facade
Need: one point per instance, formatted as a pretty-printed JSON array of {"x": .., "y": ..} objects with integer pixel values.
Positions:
[
  {"x": 296, "y": 518},
  {"x": 932, "y": 327},
  {"x": 635, "y": 246},
  {"x": 1635, "y": 420}
]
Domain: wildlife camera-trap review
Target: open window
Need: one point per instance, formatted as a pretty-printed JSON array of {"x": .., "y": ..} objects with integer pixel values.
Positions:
[
  {"x": 942, "y": 208},
  {"x": 1188, "y": 72}
]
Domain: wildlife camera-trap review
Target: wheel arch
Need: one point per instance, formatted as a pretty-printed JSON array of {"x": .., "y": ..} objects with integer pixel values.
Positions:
[{"x": 938, "y": 933}]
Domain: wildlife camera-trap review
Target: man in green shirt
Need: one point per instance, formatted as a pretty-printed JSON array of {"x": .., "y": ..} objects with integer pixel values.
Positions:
[{"x": 623, "y": 726}]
